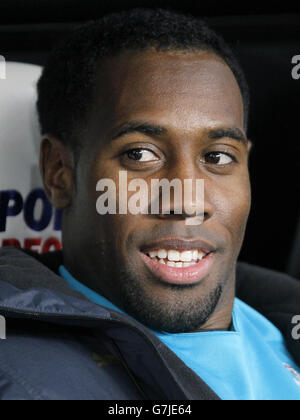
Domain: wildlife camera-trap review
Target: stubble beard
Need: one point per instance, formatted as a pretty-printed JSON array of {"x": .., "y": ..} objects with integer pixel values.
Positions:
[{"x": 178, "y": 317}]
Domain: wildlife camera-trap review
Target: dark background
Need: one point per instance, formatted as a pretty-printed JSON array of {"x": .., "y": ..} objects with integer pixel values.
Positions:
[{"x": 265, "y": 38}]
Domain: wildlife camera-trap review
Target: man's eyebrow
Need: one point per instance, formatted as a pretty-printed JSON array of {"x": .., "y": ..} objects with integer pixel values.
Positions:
[
  {"x": 138, "y": 127},
  {"x": 150, "y": 129},
  {"x": 230, "y": 132}
]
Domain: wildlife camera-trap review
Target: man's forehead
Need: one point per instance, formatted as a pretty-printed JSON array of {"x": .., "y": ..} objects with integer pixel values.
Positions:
[
  {"x": 169, "y": 71},
  {"x": 186, "y": 86}
]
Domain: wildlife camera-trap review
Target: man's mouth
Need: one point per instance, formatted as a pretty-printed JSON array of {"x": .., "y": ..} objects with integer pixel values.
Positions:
[
  {"x": 177, "y": 259},
  {"x": 179, "y": 264}
]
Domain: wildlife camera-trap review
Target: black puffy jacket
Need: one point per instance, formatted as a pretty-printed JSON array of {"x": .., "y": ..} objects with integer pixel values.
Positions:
[{"x": 60, "y": 346}]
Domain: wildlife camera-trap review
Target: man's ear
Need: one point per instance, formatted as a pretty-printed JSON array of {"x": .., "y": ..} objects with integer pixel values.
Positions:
[{"x": 57, "y": 170}]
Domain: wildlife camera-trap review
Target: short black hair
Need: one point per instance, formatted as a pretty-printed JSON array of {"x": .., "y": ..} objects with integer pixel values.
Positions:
[{"x": 65, "y": 89}]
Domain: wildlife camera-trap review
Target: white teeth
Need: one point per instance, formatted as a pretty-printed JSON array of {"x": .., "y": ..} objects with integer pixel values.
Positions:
[
  {"x": 173, "y": 255},
  {"x": 178, "y": 265},
  {"x": 153, "y": 254},
  {"x": 201, "y": 255},
  {"x": 176, "y": 258},
  {"x": 171, "y": 264},
  {"x": 187, "y": 256},
  {"x": 162, "y": 254},
  {"x": 185, "y": 265}
]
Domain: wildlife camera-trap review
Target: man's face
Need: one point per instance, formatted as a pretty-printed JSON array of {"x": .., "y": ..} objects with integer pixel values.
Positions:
[{"x": 185, "y": 114}]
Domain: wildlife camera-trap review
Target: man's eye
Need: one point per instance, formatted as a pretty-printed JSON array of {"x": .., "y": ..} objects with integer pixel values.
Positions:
[
  {"x": 218, "y": 158},
  {"x": 141, "y": 155}
]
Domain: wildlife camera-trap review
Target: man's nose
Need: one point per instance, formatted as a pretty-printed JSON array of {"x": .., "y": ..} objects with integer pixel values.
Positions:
[{"x": 189, "y": 195}]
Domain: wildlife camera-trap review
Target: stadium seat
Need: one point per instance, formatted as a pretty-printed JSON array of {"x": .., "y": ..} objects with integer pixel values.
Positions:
[{"x": 27, "y": 219}]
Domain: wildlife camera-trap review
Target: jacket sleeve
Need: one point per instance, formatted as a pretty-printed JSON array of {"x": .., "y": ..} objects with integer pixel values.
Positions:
[{"x": 13, "y": 390}]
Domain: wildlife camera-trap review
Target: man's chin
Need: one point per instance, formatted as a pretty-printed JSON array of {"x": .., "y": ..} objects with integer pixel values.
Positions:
[{"x": 177, "y": 314}]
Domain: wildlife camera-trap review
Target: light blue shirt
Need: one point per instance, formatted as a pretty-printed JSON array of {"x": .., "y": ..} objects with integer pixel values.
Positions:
[{"x": 251, "y": 362}]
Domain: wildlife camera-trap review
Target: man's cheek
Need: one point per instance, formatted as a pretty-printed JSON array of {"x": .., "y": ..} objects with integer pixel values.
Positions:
[
  {"x": 239, "y": 217},
  {"x": 234, "y": 208},
  {"x": 118, "y": 229}
]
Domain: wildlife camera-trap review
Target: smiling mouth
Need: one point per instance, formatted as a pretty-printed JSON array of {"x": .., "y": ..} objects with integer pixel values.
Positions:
[
  {"x": 176, "y": 258},
  {"x": 179, "y": 266}
]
